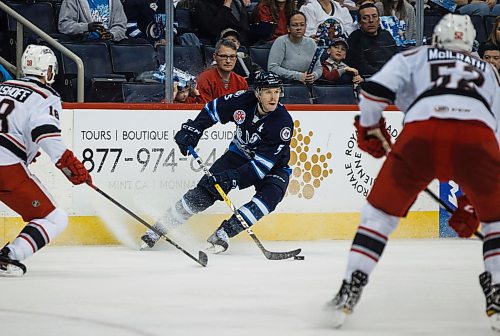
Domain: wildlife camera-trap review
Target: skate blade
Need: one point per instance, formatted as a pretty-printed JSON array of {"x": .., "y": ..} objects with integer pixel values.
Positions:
[
  {"x": 11, "y": 271},
  {"x": 214, "y": 249},
  {"x": 495, "y": 322},
  {"x": 144, "y": 247},
  {"x": 337, "y": 315}
]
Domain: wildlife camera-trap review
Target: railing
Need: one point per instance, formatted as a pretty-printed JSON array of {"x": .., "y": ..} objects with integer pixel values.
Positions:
[{"x": 21, "y": 23}]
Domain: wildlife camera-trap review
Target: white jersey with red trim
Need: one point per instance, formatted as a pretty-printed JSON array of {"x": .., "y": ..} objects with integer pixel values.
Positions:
[
  {"x": 29, "y": 119},
  {"x": 429, "y": 82}
]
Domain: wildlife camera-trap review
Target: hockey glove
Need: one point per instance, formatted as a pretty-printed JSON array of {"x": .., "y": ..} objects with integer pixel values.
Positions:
[
  {"x": 464, "y": 220},
  {"x": 189, "y": 135},
  {"x": 73, "y": 169},
  {"x": 227, "y": 180},
  {"x": 375, "y": 140}
]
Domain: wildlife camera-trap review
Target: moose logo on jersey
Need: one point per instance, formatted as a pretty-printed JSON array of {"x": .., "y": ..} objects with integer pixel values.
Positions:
[{"x": 239, "y": 116}]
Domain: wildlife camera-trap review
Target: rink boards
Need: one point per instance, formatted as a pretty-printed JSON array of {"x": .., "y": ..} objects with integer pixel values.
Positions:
[{"x": 131, "y": 154}]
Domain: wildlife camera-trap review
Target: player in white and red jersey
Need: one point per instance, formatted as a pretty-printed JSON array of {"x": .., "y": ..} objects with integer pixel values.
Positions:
[
  {"x": 451, "y": 102},
  {"x": 29, "y": 120}
]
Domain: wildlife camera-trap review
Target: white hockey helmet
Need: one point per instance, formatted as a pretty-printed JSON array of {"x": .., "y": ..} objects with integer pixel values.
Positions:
[
  {"x": 37, "y": 60},
  {"x": 454, "y": 32}
]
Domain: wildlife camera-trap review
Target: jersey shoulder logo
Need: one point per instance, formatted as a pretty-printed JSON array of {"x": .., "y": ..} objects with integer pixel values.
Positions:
[
  {"x": 285, "y": 133},
  {"x": 234, "y": 95},
  {"x": 239, "y": 116}
]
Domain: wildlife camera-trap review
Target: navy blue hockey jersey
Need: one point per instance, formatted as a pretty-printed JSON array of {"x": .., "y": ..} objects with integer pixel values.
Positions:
[{"x": 263, "y": 141}]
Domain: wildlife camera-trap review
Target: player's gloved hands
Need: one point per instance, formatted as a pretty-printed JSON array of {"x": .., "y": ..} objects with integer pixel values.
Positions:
[
  {"x": 464, "y": 220},
  {"x": 189, "y": 135},
  {"x": 375, "y": 140},
  {"x": 95, "y": 26},
  {"x": 73, "y": 169},
  {"x": 227, "y": 180}
]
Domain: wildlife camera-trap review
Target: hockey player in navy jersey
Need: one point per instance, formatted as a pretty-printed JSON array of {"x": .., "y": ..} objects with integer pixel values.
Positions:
[
  {"x": 29, "y": 120},
  {"x": 257, "y": 156}
]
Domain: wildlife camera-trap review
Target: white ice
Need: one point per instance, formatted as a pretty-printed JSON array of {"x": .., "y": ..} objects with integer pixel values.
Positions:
[{"x": 421, "y": 287}]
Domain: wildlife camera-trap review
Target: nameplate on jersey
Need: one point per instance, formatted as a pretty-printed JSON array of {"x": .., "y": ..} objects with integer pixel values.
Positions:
[
  {"x": 439, "y": 54},
  {"x": 15, "y": 92}
]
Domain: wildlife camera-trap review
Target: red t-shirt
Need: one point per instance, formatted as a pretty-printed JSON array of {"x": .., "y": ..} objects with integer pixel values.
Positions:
[
  {"x": 210, "y": 85},
  {"x": 262, "y": 13}
]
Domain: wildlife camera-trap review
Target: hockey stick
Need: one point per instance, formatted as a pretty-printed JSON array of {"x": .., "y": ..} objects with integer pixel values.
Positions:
[
  {"x": 202, "y": 257},
  {"x": 316, "y": 56},
  {"x": 269, "y": 255},
  {"x": 448, "y": 208}
]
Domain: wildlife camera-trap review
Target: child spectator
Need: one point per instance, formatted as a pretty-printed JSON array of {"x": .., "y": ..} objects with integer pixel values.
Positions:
[
  {"x": 336, "y": 71},
  {"x": 186, "y": 93}
]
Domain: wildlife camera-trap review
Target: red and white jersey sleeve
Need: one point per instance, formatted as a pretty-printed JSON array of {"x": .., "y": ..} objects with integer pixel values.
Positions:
[
  {"x": 29, "y": 112},
  {"x": 428, "y": 82}
]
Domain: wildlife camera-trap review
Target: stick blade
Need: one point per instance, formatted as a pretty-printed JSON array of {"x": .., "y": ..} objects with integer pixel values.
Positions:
[
  {"x": 282, "y": 255},
  {"x": 202, "y": 258}
]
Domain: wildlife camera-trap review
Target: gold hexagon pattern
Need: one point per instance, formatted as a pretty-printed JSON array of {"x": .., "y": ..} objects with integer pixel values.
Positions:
[{"x": 309, "y": 168}]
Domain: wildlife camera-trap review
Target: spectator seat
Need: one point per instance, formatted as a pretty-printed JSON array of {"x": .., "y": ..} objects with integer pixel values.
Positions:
[
  {"x": 143, "y": 92},
  {"x": 334, "y": 94},
  {"x": 295, "y": 94}
]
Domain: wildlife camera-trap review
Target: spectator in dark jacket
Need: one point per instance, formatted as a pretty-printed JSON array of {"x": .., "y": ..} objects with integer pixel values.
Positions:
[
  {"x": 370, "y": 46},
  {"x": 213, "y": 16},
  {"x": 146, "y": 19}
]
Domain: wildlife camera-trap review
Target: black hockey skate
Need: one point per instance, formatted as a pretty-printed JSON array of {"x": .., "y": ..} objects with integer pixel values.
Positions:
[
  {"x": 10, "y": 267},
  {"x": 348, "y": 296},
  {"x": 492, "y": 294},
  {"x": 218, "y": 242},
  {"x": 149, "y": 239}
]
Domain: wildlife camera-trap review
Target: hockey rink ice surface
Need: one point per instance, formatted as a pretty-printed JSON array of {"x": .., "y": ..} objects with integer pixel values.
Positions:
[{"x": 421, "y": 287}]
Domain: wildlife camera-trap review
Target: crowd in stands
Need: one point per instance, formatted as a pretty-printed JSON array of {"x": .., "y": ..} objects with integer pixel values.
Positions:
[{"x": 239, "y": 38}]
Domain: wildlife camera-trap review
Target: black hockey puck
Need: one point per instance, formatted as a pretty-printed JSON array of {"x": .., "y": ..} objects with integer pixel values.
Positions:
[{"x": 298, "y": 257}]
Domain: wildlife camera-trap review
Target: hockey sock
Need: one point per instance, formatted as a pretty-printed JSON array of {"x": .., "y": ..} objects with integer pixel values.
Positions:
[
  {"x": 491, "y": 250},
  {"x": 253, "y": 211},
  {"x": 370, "y": 240},
  {"x": 37, "y": 234}
]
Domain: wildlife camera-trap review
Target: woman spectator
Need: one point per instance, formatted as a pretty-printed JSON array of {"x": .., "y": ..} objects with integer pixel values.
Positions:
[
  {"x": 403, "y": 11},
  {"x": 317, "y": 11},
  {"x": 275, "y": 11},
  {"x": 291, "y": 54}
]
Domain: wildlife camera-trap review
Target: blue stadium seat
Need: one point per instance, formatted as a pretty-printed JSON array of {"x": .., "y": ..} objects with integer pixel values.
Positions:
[
  {"x": 489, "y": 21},
  {"x": 334, "y": 94},
  {"x": 41, "y": 14},
  {"x": 430, "y": 21},
  {"x": 184, "y": 20},
  {"x": 187, "y": 58},
  {"x": 143, "y": 92},
  {"x": 296, "y": 94},
  {"x": 97, "y": 72},
  {"x": 259, "y": 56},
  {"x": 132, "y": 59},
  {"x": 480, "y": 26}
]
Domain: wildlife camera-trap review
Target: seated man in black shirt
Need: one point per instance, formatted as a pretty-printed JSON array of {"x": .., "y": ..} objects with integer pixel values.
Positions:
[{"x": 370, "y": 46}]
